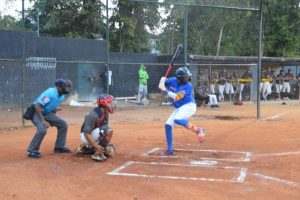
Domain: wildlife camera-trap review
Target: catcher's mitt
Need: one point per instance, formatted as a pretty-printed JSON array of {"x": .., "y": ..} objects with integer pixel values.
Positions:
[{"x": 110, "y": 150}]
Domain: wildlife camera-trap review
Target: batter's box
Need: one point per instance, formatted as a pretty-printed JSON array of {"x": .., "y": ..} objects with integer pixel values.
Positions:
[
  {"x": 222, "y": 155},
  {"x": 181, "y": 172}
]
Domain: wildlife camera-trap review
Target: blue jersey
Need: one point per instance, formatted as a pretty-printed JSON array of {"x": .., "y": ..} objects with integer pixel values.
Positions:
[
  {"x": 50, "y": 100},
  {"x": 185, "y": 90}
]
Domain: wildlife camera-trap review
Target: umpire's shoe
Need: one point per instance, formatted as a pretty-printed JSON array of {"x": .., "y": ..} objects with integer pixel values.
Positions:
[
  {"x": 33, "y": 154},
  {"x": 62, "y": 150}
]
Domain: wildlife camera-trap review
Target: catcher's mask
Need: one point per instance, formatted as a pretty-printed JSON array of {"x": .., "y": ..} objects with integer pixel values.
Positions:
[
  {"x": 183, "y": 74},
  {"x": 107, "y": 101},
  {"x": 65, "y": 85}
]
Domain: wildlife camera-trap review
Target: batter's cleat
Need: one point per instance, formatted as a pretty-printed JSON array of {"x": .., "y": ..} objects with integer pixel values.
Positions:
[
  {"x": 201, "y": 135},
  {"x": 33, "y": 154},
  {"x": 99, "y": 157},
  {"x": 168, "y": 153},
  {"x": 62, "y": 150},
  {"x": 84, "y": 150}
]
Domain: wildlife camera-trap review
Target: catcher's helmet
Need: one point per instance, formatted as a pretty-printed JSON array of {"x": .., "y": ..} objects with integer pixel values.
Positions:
[{"x": 107, "y": 101}]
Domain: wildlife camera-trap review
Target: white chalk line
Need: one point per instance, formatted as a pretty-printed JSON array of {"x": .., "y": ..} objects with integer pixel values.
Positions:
[
  {"x": 151, "y": 151},
  {"x": 243, "y": 174},
  {"x": 204, "y": 162},
  {"x": 245, "y": 156},
  {"x": 290, "y": 183},
  {"x": 277, "y": 154},
  {"x": 208, "y": 163},
  {"x": 239, "y": 179},
  {"x": 274, "y": 116}
]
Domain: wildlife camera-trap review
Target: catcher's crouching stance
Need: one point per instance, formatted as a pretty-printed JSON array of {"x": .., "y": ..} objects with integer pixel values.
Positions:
[{"x": 95, "y": 133}]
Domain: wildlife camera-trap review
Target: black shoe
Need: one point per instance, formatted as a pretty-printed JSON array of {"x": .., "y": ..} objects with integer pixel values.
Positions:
[
  {"x": 85, "y": 150},
  {"x": 33, "y": 154},
  {"x": 217, "y": 106},
  {"x": 62, "y": 150},
  {"x": 212, "y": 106}
]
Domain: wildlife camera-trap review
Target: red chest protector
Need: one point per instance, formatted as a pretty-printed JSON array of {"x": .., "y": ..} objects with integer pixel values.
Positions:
[{"x": 103, "y": 116}]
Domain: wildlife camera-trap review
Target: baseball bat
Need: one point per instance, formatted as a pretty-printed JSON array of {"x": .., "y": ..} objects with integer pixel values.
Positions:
[{"x": 175, "y": 55}]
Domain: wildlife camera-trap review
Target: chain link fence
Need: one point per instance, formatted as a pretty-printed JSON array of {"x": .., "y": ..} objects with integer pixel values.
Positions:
[{"x": 101, "y": 45}]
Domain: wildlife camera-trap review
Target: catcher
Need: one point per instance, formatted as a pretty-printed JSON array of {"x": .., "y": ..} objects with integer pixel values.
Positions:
[{"x": 95, "y": 133}]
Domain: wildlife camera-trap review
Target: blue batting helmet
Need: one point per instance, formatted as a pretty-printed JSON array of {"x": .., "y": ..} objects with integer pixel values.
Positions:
[{"x": 183, "y": 72}]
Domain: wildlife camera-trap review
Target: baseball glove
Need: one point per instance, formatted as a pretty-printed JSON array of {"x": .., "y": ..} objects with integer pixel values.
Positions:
[{"x": 110, "y": 150}]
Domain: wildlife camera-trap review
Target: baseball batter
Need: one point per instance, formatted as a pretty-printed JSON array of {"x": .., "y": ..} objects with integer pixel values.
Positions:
[{"x": 179, "y": 89}]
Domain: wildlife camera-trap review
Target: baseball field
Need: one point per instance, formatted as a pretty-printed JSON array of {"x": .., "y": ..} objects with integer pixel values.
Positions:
[{"x": 241, "y": 158}]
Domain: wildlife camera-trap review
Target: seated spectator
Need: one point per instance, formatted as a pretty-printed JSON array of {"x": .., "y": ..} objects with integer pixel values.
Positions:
[{"x": 208, "y": 99}]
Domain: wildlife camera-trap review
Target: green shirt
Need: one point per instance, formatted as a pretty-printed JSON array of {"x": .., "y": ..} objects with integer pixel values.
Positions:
[{"x": 143, "y": 75}]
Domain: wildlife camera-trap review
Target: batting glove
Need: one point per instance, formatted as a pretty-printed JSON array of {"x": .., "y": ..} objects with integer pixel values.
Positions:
[{"x": 161, "y": 85}]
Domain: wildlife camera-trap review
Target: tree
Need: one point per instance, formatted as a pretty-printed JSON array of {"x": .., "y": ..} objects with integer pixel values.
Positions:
[
  {"x": 214, "y": 31},
  {"x": 282, "y": 28},
  {"x": 128, "y": 24},
  {"x": 69, "y": 18},
  {"x": 9, "y": 22}
]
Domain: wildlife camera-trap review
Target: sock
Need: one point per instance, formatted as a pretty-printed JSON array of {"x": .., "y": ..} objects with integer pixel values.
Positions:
[
  {"x": 169, "y": 137},
  {"x": 188, "y": 125},
  {"x": 193, "y": 127}
]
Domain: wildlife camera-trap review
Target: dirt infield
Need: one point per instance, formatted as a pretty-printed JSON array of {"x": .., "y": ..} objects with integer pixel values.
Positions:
[{"x": 242, "y": 158}]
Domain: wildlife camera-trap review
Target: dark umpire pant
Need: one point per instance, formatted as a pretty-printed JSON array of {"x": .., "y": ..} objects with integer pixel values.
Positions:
[{"x": 53, "y": 120}]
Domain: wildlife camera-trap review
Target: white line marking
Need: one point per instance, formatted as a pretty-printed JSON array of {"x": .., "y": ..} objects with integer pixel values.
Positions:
[
  {"x": 175, "y": 164},
  {"x": 209, "y": 150},
  {"x": 245, "y": 156},
  {"x": 277, "y": 154},
  {"x": 242, "y": 177},
  {"x": 151, "y": 151},
  {"x": 120, "y": 168},
  {"x": 204, "y": 162},
  {"x": 117, "y": 172},
  {"x": 248, "y": 156},
  {"x": 274, "y": 179},
  {"x": 274, "y": 116}
]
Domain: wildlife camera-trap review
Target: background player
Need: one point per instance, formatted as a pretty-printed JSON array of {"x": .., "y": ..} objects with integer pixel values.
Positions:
[
  {"x": 95, "y": 131},
  {"x": 143, "y": 88},
  {"x": 245, "y": 80},
  {"x": 222, "y": 82},
  {"x": 179, "y": 89},
  {"x": 287, "y": 85},
  {"x": 203, "y": 96}
]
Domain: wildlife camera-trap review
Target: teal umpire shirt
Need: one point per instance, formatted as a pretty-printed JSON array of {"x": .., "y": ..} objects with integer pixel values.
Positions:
[{"x": 50, "y": 100}]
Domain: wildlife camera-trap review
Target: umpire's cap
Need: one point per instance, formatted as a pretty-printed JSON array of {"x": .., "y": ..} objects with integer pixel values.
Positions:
[{"x": 63, "y": 83}]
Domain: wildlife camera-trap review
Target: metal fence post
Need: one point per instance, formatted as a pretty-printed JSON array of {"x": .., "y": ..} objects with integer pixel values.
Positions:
[
  {"x": 107, "y": 48},
  {"x": 185, "y": 33},
  {"x": 259, "y": 57},
  {"x": 23, "y": 65}
]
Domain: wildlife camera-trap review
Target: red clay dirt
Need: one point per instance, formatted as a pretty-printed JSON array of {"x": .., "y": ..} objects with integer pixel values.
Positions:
[{"x": 272, "y": 171}]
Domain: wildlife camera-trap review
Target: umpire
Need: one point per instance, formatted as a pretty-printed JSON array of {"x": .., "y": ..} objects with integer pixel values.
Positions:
[{"x": 45, "y": 116}]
